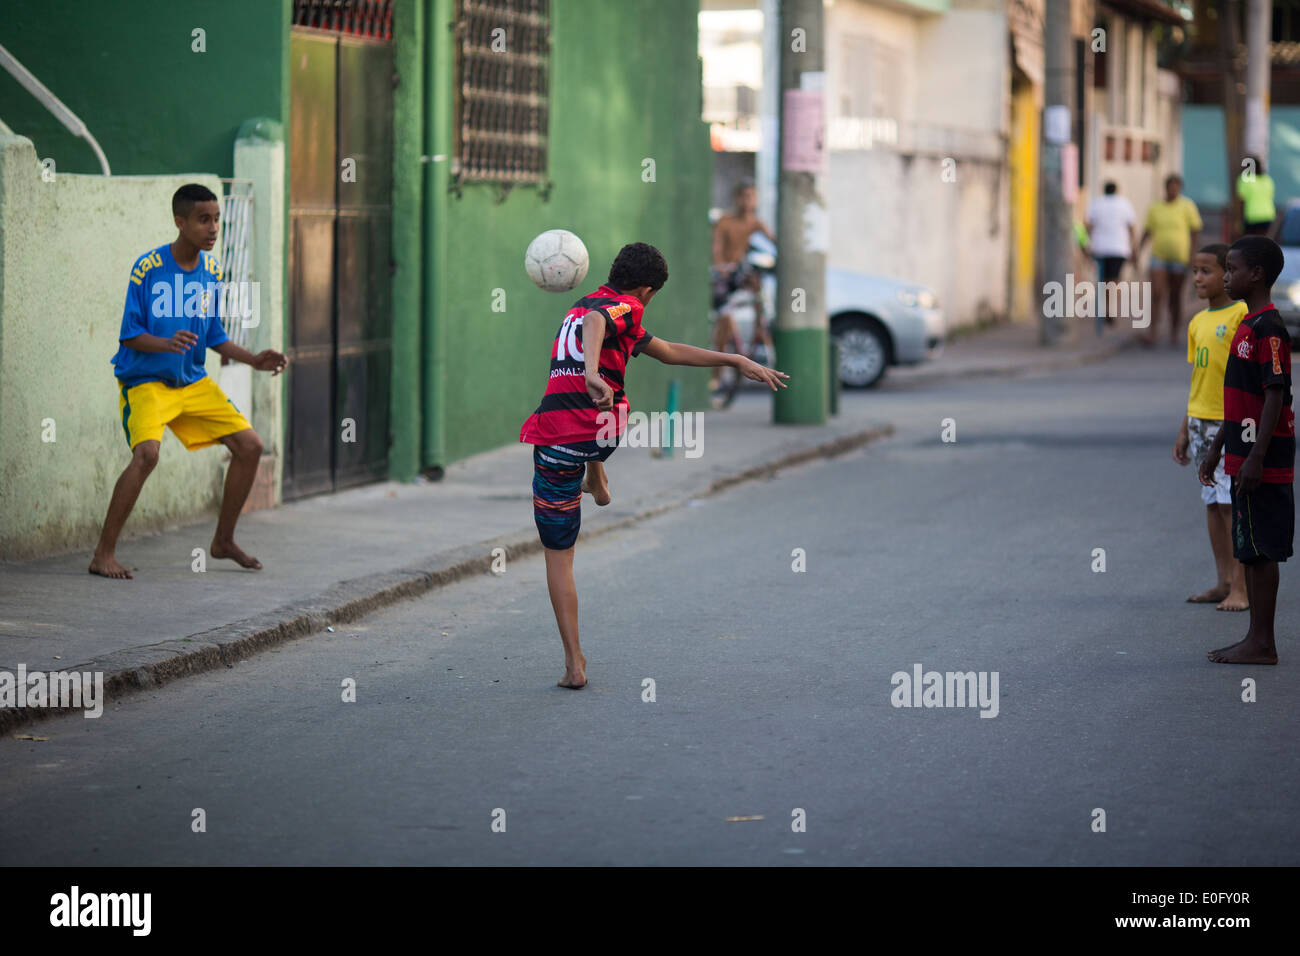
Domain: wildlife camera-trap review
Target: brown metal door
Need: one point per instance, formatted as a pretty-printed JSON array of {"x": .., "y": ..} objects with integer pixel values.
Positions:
[{"x": 340, "y": 313}]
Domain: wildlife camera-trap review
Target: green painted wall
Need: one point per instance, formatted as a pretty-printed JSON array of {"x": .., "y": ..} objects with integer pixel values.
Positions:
[
  {"x": 128, "y": 71},
  {"x": 625, "y": 87}
]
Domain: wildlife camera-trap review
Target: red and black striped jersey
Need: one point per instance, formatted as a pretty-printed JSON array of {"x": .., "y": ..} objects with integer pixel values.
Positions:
[
  {"x": 1259, "y": 359},
  {"x": 567, "y": 412}
]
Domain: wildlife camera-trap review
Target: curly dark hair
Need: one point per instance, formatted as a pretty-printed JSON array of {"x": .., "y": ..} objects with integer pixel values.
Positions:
[
  {"x": 638, "y": 264},
  {"x": 1261, "y": 252}
]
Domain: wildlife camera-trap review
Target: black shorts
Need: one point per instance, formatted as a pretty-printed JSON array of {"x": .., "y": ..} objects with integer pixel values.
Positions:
[
  {"x": 1263, "y": 522},
  {"x": 1109, "y": 268},
  {"x": 1258, "y": 228}
]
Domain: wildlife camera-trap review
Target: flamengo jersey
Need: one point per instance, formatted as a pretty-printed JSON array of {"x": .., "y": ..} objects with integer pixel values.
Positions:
[
  {"x": 567, "y": 412},
  {"x": 1259, "y": 358}
]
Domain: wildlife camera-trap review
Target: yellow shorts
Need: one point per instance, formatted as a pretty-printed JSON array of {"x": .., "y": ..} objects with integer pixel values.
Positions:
[{"x": 199, "y": 414}]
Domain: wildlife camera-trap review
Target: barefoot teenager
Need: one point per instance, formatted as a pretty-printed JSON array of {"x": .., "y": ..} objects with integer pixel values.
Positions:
[
  {"x": 582, "y": 416},
  {"x": 169, "y": 322},
  {"x": 1258, "y": 439},
  {"x": 1208, "y": 336}
]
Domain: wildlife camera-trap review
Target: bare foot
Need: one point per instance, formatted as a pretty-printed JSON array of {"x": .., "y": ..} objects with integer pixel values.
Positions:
[
  {"x": 575, "y": 678},
  {"x": 1212, "y": 596},
  {"x": 1248, "y": 651},
  {"x": 234, "y": 553},
  {"x": 1234, "y": 602},
  {"x": 108, "y": 567},
  {"x": 599, "y": 493}
]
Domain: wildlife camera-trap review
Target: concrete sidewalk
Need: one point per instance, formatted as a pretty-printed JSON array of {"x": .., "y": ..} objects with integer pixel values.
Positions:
[
  {"x": 1013, "y": 349},
  {"x": 331, "y": 559}
]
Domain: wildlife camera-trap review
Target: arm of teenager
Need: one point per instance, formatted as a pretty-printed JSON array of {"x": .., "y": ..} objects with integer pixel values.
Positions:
[
  {"x": 1181, "y": 443},
  {"x": 267, "y": 360},
  {"x": 1252, "y": 469},
  {"x": 718, "y": 262},
  {"x": 675, "y": 353},
  {"x": 593, "y": 336},
  {"x": 135, "y": 332}
]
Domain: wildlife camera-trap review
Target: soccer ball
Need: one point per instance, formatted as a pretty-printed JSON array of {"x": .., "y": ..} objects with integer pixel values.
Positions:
[{"x": 556, "y": 260}]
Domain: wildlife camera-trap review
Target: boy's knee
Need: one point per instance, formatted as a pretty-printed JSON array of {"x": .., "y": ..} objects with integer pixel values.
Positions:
[
  {"x": 145, "y": 455},
  {"x": 246, "y": 445}
]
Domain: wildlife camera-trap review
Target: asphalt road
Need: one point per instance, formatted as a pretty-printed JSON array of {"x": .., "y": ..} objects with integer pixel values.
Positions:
[{"x": 772, "y": 687}]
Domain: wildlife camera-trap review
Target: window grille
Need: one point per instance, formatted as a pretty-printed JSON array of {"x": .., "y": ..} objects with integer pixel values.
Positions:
[
  {"x": 502, "y": 95},
  {"x": 236, "y": 305},
  {"x": 364, "y": 18}
]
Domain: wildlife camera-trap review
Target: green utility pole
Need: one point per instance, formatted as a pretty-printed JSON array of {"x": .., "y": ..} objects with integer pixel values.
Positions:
[{"x": 801, "y": 334}]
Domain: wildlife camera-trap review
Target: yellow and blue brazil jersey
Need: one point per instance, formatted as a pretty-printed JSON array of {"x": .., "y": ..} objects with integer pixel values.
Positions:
[{"x": 162, "y": 299}]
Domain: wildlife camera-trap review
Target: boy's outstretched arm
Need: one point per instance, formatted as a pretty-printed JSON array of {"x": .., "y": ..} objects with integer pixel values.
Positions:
[
  {"x": 675, "y": 353},
  {"x": 268, "y": 360}
]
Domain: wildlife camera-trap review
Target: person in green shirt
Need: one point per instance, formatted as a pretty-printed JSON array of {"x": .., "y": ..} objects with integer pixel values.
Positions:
[
  {"x": 1255, "y": 190},
  {"x": 1171, "y": 226}
]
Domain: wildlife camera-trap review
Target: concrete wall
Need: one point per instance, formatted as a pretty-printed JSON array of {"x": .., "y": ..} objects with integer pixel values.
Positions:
[
  {"x": 895, "y": 212},
  {"x": 66, "y": 250}
]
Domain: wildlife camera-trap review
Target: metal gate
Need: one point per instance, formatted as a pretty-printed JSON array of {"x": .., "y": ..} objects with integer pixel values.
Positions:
[{"x": 340, "y": 263}]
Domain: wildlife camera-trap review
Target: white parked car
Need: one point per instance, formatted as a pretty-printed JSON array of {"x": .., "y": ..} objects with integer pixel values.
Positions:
[{"x": 879, "y": 322}]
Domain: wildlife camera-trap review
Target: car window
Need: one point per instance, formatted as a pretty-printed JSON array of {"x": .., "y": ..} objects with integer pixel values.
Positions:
[{"x": 1289, "y": 234}]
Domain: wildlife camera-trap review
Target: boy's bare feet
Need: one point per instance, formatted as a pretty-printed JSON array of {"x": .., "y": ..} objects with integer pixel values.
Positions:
[
  {"x": 575, "y": 678},
  {"x": 108, "y": 566},
  {"x": 598, "y": 491},
  {"x": 1247, "y": 651},
  {"x": 234, "y": 553},
  {"x": 1234, "y": 602},
  {"x": 1212, "y": 596}
]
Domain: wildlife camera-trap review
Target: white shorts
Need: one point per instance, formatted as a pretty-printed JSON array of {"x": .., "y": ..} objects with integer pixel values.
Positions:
[{"x": 1200, "y": 434}]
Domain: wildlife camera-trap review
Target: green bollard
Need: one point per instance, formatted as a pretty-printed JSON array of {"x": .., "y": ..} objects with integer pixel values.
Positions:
[
  {"x": 668, "y": 427},
  {"x": 834, "y": 378}
]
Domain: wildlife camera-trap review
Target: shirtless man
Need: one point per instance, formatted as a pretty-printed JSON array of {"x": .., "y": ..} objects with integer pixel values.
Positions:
[{"x": 730, "y": 243}]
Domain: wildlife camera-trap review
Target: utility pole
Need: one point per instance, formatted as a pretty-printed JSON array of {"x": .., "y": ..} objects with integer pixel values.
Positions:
[
  {"x": 1259, "y": 23},
  {"x": 1055, "y": 226},
  {"x": 801, "y": 337}
]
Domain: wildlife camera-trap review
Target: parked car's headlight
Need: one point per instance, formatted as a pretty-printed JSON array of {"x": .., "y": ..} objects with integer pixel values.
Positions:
[{"x": 921, "y": 299}]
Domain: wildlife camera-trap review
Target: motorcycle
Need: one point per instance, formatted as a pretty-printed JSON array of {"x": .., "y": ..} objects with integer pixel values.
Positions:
[{"x": 750, "y": 311}]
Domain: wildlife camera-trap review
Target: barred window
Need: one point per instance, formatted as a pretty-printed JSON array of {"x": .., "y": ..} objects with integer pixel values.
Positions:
[
  {"x": 366, "y": 18},
  {"x": 503, "y": 72}
]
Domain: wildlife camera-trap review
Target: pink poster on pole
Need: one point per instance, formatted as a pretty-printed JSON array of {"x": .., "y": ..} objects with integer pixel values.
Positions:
[{"x": 803, "y": 140}]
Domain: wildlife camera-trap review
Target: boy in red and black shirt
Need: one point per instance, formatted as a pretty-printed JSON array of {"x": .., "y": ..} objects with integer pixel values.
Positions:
[
  {"x": 583, "y": 415},
  {"x": 1258, "y": 436}
]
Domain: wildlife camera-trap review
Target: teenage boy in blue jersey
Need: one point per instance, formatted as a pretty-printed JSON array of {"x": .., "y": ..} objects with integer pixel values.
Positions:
[{"x": 169, "y": 322}]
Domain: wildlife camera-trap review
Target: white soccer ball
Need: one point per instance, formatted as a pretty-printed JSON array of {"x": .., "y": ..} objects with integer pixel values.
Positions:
[{"x": 556, "y": 260}]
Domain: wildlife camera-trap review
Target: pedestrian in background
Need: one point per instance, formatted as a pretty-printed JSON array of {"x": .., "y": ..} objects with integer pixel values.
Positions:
[
  {"x": 1171, "y": 226},
  {"x": 1111, "y": 225},
  {"x": 1255, "y": 189}
]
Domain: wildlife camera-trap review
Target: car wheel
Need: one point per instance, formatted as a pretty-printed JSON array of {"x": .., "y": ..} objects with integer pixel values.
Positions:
[{"x": 864, "y": 351}]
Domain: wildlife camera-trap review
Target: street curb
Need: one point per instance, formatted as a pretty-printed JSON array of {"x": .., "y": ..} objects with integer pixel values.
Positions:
[{"x": 152, "y": 665}]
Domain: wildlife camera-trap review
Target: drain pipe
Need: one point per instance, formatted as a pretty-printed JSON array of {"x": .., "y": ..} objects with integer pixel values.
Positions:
[{"x": 52, "y": 103}]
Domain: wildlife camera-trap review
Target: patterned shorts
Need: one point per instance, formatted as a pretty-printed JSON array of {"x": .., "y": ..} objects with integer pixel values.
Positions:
[
  {"x": 557, "y": 489},
  {"x": 1200, "y": 434}
]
